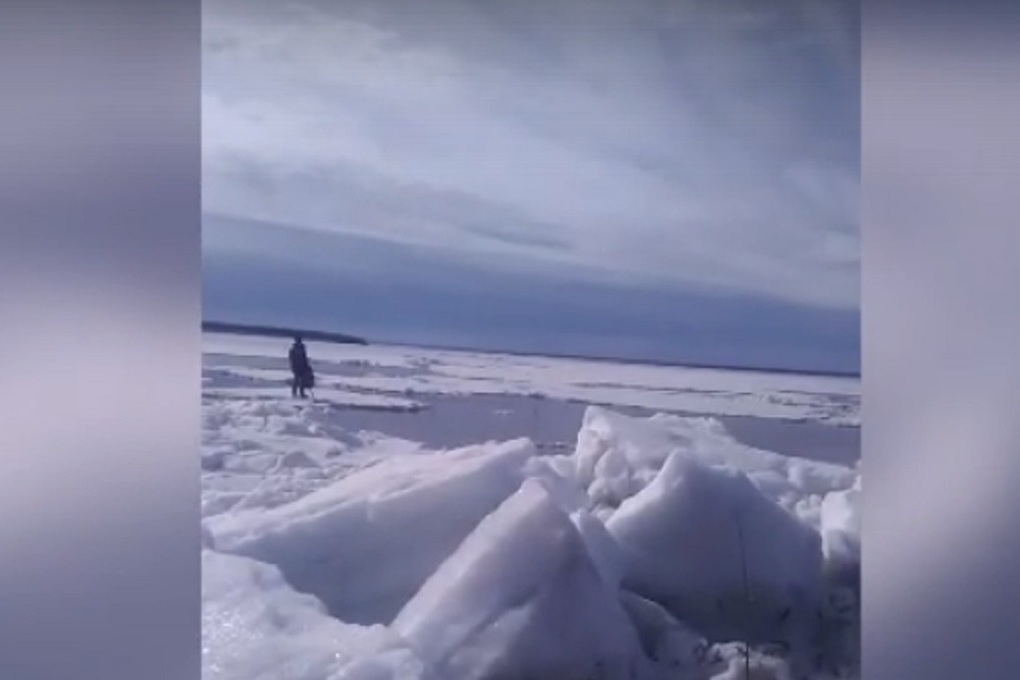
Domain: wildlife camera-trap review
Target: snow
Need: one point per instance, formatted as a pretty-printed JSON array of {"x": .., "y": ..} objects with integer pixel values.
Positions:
[
  {"x": 256, "y": 627},
  {"x": 521, "y": 598},
  {"x": 327, "y": 395},
  {"x": 335, "y": 551},
  {"x": 617, "y": 456},
  {"x": 761, "y": 666},
  {"x": 260, "y": 454},
  {"x": 365, "y": 544},
  {"x": 406, "y": 371}
]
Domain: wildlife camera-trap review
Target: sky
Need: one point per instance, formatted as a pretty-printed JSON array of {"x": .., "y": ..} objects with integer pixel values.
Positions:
[{"x": 672, "y": 181}]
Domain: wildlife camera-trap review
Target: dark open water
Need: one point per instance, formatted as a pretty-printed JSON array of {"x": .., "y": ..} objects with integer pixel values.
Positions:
[{"x": 452, "y": 421}]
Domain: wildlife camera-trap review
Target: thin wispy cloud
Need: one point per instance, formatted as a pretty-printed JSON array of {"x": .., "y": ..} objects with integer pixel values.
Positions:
[{"x": 683, "y": 145}]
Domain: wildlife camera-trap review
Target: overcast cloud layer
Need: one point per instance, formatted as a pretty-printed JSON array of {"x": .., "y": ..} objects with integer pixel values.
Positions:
[{"x": 680, "y": 148}]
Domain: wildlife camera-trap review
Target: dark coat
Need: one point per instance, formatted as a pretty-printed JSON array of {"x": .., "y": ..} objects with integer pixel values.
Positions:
[{"x": 300, "y": 366}]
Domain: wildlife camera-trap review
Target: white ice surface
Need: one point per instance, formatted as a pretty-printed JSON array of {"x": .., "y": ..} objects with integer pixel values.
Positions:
[
  {"x": 256, "y": 627},
  {"x": 322, "y": 394},
  {"x": 522, "y": 598},
  {"x": 405, "y": 371},
  {"x": 694, "y": 534},
  {"x": 315, "y": 531},
  {"x": 841, "y": 529},
  {"x": 261, "y": 454},
  {"x": 366, "y": 543},
  {"x": 665, "y": 639},
  {"x": 617, "y": 455}
]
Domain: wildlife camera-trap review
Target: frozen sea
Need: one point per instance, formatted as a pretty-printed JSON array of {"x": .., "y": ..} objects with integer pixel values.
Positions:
[{"x": 436, "y": 515}]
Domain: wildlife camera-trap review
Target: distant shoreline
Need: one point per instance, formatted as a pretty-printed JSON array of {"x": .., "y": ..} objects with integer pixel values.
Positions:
[
  {"x": 279, "y": 332},
  {"x": 344, "y": 339}
]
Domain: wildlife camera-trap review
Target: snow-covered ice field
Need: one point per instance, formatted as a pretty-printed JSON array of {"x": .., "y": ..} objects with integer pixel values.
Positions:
[{"x": 449, "y": 515}]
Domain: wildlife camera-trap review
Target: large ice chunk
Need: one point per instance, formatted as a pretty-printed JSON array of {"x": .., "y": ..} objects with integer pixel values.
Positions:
[
  {"x": 841, "y": 533},
  {"x": 367, "y": 543},
  {"x": 693, "y": 533},
  {"x": 673, "y": 645},
  {"x": 618, "y": 455},
  {"x": 522, "y": 598}
]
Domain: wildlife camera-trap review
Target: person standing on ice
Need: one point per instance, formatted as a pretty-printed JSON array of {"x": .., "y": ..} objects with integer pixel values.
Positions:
[{"x": 304, "y": 377}]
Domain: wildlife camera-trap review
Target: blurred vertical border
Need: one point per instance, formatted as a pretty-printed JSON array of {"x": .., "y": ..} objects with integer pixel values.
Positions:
[
  {"x": 941, "y": 339},
  {"x": 100, "y": 284}
]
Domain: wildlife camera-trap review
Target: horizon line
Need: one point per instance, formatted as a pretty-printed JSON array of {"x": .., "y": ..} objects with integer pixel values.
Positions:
[{"x": 260, "y": 330}]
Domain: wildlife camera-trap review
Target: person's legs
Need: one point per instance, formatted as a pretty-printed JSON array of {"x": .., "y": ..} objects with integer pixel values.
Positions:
[{"x": 294, "y": 387}]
